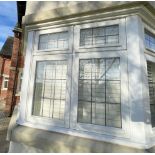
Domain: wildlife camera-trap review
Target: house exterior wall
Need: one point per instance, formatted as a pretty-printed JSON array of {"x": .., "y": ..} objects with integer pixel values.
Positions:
[
  {"x": 137, "y": 130},
  {"x": 5, "y": 70},
  {"x": 17, "y": 62}
]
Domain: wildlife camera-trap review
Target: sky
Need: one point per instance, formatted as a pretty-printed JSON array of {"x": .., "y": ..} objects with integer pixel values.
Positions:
[{"x": 8, "y": 19}]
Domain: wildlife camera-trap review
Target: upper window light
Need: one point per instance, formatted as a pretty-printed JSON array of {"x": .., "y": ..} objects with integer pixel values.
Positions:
[
  {"x": 99, "y": 36},
  {"x": 57, "y": 40},
  {"x": 150, "y": 41}
]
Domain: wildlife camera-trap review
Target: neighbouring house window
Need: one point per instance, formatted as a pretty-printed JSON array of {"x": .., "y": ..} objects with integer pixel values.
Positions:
[
  {"x": 149, "y": 40},
  {"x": 50, "y": 89},
  {"x": 57, "y": 40},
  {"x": 99, "y": 35},
  {"x": 99, "y": 92},
  {"x": 5, "y": 82},
  {"x": 151, "y": 81}
]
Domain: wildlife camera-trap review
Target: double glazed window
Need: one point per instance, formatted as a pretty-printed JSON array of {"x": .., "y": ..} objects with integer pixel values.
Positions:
[
  {"x": 99, "y": 92},
  {"x": 53, "y": 41},
  {"x": 150, "y": 40},
  {"x": 50, "y": 89},
  {"x": 151, "y": 81},
  {"x": 100, "y": 35},
  {"x": 70, "y": 88}
]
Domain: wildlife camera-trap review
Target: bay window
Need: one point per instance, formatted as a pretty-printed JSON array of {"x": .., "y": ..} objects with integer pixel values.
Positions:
[{"x": 75, "y": 82}]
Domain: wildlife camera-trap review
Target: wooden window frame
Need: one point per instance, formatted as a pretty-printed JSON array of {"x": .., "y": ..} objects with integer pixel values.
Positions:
[{"x": 72, "y": 54}]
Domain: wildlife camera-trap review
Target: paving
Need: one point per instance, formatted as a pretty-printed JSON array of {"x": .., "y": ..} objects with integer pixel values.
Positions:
[{"x": 4, "y": 122}]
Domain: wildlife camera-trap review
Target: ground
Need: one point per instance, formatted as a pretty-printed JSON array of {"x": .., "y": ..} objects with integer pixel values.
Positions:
[{"x": 4, "y": 122}]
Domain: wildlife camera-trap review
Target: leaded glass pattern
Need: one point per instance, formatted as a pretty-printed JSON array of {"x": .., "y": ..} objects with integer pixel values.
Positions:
[
  {"x": 53, "y": 41},
  {"x": 149, "y": 40},
  {"x": 151, "y": 81},
  {"x": 99, "y": 36},
  {"x": 50, "y": 89},
  {"x": 99, "y": 100}
]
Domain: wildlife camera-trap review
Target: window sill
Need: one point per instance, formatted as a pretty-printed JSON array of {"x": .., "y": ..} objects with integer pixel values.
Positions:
[
  {"x": 4, "y": 89},
  {"x": 69, "y": 139}
]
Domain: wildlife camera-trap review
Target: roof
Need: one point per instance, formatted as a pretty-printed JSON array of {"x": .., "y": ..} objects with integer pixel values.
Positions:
[{"x": 6, "y": 50}]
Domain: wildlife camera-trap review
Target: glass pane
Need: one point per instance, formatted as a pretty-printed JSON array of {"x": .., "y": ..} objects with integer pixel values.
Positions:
[
  {"x": 113, "y": 115},
  {"x": 54, "y": 41},
  {"x": 99, "y": 87},
  {"x": 149, "y": 40},
  {"x": 112, "y": 30},
  {"x": 50, "y": 89},
  {"x": 84, "y": 112},
  {"x": 98, "y": 113},
  {"x": 151, "y": 81},
  {"x": 99, "y": 35},
  {"x": 112, "y": 69}
]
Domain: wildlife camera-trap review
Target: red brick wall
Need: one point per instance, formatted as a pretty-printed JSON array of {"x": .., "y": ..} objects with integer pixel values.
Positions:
[
  {"x": 3, "y": 95},
  {"x": 1, "y": 71},
  {"x": 5, "y": 69},
  {"x": 7, "y": 64},
  {"x": 16, "y": 61}
]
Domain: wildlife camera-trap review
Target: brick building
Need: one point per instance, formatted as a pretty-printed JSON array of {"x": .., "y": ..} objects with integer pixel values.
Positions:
[
  {"x": 17, "y": 63},
  {"x": 5, "y": 62}
]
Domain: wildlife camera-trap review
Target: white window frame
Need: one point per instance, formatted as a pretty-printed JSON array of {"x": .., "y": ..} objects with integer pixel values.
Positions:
[
  {"x": 34, "y": 55},
  {"x": 57, "y": 50},
  {"x": 124, "y": 103},
  {"x": 122, "y": 36},
  {"x": 44, "y": 120},
  {"x": 149, "y": 56},
  {"x": 72, "y": 55},
  {"x": 4, "y": 80},
  {"x": 148, "y": 50},
  {"x": 151, "y": 59}
]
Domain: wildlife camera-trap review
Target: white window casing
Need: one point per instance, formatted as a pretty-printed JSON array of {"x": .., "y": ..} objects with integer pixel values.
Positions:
[
  {"x": 71, "y": 54},
  {"x": 121, "y": 45},
  {"x": 57, "y": 50},
  {"x": 5, "y": 82},
  {"x": 33, "y": 118},
  {"x": 74, "y": 95}
]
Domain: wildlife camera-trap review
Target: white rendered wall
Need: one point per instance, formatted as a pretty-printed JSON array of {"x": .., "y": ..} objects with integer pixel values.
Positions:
[{"x": 136, "y": 130}]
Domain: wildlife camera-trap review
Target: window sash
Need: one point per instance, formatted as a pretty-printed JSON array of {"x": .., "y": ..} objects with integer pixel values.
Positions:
[
  {"x": 149, "y": 40},
  {"x": 151, "y": 82},
  {"x": 121, "y": 44},
  {"x": 46, "y": 120},
  {"x": 52, "y": 50},
  {"x": 123, "y": 86},
  {"x": 99, "y": 35},
  {"x": 94, "y": 102}
]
